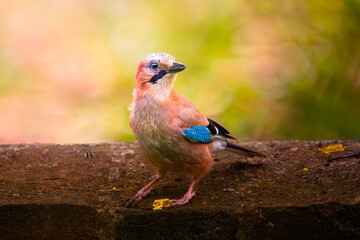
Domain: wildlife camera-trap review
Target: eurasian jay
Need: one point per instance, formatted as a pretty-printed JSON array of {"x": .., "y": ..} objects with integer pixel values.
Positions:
[{"x": 172, "y": 133}]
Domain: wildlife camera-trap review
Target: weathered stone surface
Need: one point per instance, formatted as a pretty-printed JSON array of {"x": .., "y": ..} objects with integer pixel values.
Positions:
[{"x": 76, "y": 191}]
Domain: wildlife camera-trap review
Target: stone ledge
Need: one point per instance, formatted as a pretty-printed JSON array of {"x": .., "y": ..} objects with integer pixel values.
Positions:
[{"x": 50, "y": 191}]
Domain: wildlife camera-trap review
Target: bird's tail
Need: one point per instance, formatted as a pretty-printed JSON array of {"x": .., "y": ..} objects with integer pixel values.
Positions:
[{"x": 241, "y": 150}]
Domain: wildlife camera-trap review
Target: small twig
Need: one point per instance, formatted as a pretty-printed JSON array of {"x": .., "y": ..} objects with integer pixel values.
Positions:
[
  {"x": 355, "y": 155},
  {"x": 89, "y": 154}
]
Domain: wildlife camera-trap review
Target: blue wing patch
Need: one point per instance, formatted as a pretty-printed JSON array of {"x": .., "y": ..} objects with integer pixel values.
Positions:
[{"x": 197, "y": 134}]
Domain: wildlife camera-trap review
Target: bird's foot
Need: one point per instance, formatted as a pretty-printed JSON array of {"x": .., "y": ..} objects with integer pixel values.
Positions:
[
  {"x": 183, "y": 200},
  {"x": 138, "y": 197}
]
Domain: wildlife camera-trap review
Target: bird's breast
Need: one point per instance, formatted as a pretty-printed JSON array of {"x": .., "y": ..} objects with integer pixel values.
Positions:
[
  {"x": 148, "y": 120},
  {"x": 153, "y": 127}
]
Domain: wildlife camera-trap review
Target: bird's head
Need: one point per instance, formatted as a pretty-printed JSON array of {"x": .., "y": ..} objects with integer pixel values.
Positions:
[{"x": 156, "y": 74}]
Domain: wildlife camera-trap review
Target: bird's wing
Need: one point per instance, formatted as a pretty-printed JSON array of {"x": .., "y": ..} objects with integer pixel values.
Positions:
[
  {"x": 195, "y": 126},
  {"x": 187, "y": 114},
  {"x": 216, "y": 129},
  {"x": 198, "y": 134}
]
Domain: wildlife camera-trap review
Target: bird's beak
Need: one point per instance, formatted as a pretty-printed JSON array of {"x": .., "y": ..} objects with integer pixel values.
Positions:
[{"x": 176, "y": 67}]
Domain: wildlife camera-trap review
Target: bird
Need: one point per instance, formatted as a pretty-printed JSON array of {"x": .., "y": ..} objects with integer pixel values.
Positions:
[{"x": 174, "y": 136}]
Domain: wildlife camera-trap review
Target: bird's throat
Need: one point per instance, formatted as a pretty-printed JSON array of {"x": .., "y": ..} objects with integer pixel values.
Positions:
[{"x": 162, "y": 89}]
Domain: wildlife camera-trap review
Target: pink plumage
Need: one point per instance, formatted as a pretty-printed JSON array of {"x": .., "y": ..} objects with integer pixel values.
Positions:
[{"x": 159, "y": 115}]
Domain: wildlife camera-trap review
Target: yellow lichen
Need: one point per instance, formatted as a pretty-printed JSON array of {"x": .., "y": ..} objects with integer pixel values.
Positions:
[
  {"x": 332, "y": 148},
  {"x": 160, "y": 203},
  {"x": 305, "y": 169}
]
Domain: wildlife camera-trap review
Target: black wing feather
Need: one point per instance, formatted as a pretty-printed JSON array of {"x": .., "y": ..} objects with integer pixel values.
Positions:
[{"x": 216, "y": 129}]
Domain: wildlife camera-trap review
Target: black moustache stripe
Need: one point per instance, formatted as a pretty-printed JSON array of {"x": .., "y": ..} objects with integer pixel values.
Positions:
[{"x": 158, "y": 76}]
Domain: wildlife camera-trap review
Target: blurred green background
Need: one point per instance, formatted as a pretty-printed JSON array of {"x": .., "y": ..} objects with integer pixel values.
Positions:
[{"x": 264, "y": 69}]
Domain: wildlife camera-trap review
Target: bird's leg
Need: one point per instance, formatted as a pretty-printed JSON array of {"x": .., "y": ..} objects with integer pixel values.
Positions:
[
  {"x": 187, "y": 195},
  {"x": 142, "y": 193}
]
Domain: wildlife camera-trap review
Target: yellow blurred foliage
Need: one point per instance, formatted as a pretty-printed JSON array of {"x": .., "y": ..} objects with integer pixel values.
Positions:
[{"x": 264, "y": 69}]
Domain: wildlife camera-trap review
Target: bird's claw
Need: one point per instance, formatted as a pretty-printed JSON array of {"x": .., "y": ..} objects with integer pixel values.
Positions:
[
  {"x": 183, "y": 200},
  {"x": 137, "y": 198},
  {"x": 128, "y": 202}
]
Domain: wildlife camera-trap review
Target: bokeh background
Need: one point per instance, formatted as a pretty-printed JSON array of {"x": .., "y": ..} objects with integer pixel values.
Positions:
[{"x": 264, "y": 69}]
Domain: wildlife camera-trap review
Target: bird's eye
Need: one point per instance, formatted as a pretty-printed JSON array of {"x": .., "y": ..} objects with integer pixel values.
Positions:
[{"x": 154, "y": 66}]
